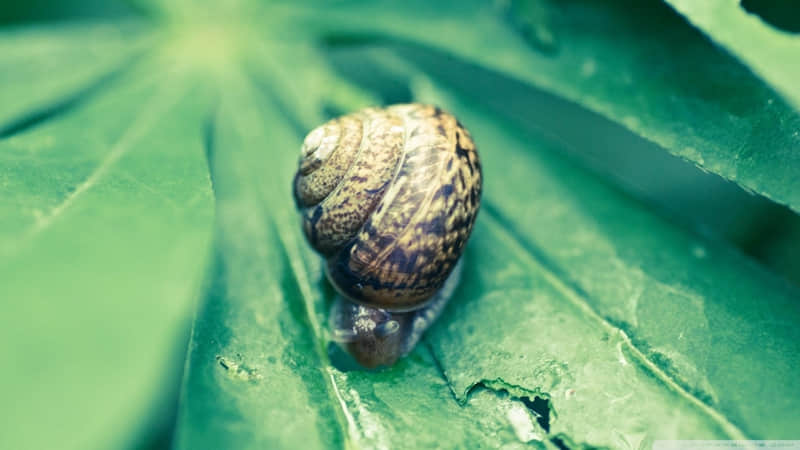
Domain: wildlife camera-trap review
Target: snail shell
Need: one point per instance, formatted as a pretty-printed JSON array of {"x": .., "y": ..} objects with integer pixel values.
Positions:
[{"x": 388, "y": 197}]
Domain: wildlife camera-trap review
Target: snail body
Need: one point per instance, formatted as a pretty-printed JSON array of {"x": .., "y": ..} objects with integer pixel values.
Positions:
[{"x": 388, "y": 197}]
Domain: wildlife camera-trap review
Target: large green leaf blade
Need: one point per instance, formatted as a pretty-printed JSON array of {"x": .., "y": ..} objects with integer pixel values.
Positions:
[
  {"x": 690, "y": 315},
  {"x": 521, "y": 323},
  {"x": 250, "y": 355},
  {"x": 259, "y": 371},
  {"x": 637, "y": 63},
  {"x": 106, "y": 222},
  {"x": 585, "y": 319},
  {"x": 769, "y": 52},
  {"x": 47, "y": 69}
]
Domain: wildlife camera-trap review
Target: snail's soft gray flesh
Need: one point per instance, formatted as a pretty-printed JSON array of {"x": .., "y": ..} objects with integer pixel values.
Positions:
[{"x": 376, "y": 337}]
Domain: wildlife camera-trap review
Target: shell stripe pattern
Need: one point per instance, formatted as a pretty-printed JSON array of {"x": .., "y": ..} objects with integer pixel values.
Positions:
[{"x": 389, "y": 197}]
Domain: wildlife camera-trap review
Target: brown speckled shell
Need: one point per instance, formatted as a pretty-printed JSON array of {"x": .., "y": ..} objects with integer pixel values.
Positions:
[{"x": 389, "y": 196}]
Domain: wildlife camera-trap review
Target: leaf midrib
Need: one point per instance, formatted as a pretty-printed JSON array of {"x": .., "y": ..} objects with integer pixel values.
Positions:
[{"x": 300, "y": 274}]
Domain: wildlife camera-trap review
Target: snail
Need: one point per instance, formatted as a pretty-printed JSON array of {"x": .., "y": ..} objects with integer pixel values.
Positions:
[{"x": 388, "y": 197}]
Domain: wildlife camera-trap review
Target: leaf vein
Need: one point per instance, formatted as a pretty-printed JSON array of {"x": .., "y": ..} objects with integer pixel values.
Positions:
[
  {"x": 151, "y": 112},
  {"x": 560, "y": 280}
]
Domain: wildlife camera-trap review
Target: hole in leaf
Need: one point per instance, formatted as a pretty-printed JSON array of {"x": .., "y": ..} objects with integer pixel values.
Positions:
[
  {"x": 237, "y": 369},
  {"x": 558, "y": 442},
  {"x": 539, "y": 406}
]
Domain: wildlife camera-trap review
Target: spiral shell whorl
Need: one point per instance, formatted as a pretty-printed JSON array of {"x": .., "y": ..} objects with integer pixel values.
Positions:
[
  {"x": 389, "y": 197},
  {"x": 321, "y": 166}
]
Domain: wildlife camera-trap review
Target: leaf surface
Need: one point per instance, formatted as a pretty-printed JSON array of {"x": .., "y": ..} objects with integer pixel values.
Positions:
[
  {"x": 637, "y": 63},
  {"x": 673, "y": 316},
  {"x": 106, "y": 222},
  {"x": 583, "y": 319},
  {"x": 770, "y": 52},
  {"x": 259, "y": 372},
  {"x": 48, "y": 69},
  {"x": 562, "y": 305}
]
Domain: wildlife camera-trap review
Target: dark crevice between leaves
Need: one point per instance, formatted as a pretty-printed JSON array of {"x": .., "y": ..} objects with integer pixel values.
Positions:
[
  {"x": 643, "y": 171},
  {"x": 64, "y": 105},
  {"x": 163, "y": 435},
  {"x": 388, "y": 85},
  {"x": 331, "y": 111},
  {"x": 658, "y": 359},
  {"x": 781, "y": 14},
  {"x": 532, "y": 20}
]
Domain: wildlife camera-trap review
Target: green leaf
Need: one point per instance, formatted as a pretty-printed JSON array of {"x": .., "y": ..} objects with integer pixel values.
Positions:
[
  {"x": 769, "y": 52},
  {"x": 106, "y": 224},
  {"x": 583, "y": 319},
  {"x": 619, "y": 310},
  {"x": 637, "y": 63},
  {"x": 84, "y": 58},
  {"x": 258, "y": 372},
  {"x": 576, "y": 290}
]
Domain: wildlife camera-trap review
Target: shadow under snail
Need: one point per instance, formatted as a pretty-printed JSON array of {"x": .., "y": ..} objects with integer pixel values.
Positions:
[{"x": 388, "y": 197}]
